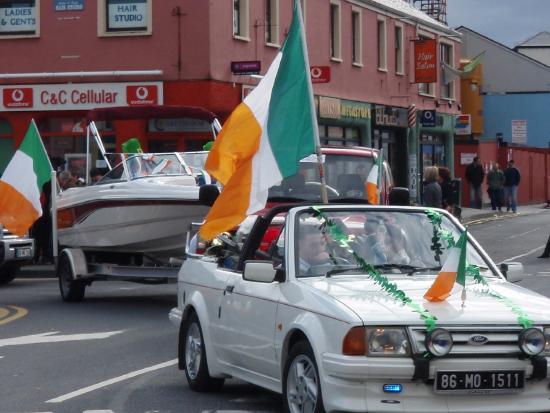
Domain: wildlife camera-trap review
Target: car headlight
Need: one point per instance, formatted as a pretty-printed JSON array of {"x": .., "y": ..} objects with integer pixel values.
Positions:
[
  {"x": 376, "y": 341},
  {"x": 547, "y": 341},
  {"x": 532, "y": 341},
  {"x": 439, "y": 342}
]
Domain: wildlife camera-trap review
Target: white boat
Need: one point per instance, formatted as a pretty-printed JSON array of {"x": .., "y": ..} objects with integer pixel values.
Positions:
[{"x": 139, "y": 212}]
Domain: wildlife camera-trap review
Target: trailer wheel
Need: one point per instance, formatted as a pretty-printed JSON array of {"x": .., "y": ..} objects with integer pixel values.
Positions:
[
  {"x": 71, "y": 290},
  {"x": 8, "y": 273}
]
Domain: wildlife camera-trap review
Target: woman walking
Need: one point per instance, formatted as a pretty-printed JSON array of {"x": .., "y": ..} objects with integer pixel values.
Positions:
[
  {"x": 495, "y": 181},
  {"x": 432, "y": 191}
]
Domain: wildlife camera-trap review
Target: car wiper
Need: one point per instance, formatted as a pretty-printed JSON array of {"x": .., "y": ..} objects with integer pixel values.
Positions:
[
  {"x": 342, "y": 270},
  {"x": 408, "y": 269}
]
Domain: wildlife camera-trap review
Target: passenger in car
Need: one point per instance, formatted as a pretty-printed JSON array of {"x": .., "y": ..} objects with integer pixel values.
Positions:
[{"x": 313, "y": 256}]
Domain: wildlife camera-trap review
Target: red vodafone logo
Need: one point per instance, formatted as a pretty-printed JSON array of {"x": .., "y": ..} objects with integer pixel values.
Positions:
[
  {"x": 18, "y": 97},
  {"x": 142, "y": 95}
]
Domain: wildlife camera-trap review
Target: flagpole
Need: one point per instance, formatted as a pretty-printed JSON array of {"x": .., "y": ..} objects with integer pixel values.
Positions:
[{"x": 324, "y": 195}]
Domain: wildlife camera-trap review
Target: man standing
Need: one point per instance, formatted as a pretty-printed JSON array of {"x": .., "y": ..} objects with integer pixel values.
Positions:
[
  {"x": 495, "y": 182},
  {"x": 512, "y": 178},
  {"x": 474, "y": 176}
]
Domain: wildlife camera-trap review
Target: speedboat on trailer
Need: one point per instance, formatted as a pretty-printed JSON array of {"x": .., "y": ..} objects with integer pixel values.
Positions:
[{"x": 141, "y": 209}]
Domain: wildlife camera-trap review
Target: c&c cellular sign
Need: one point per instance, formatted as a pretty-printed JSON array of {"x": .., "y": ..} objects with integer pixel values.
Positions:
[
  {"x": 80, "y": 96},
  {"x": 17, "y": 98}
]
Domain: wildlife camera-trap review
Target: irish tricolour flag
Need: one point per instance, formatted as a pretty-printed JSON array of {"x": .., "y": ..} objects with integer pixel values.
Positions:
[
  {"x": 374, "y": 181},
  {"x": 21, "y": 184},
  {"x": 452, "y": 277},
  {"x": 264, "y": 139}
]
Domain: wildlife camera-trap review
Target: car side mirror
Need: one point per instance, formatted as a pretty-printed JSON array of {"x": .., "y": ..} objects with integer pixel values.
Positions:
[
  {"x": 261, "y": 271},
  {"x": 512, "y": 271},
  {"x": 400, "y": 196},
  {"x": 208, "y": 194}
]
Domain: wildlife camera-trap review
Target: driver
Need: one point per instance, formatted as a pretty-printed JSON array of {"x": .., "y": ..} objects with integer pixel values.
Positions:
[{"x": 312, "y": 250}]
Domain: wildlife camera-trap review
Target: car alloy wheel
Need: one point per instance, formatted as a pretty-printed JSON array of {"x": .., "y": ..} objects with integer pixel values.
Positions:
[
  {"x": 193, "y": 351},
  {"x": 302, "y": 385}
]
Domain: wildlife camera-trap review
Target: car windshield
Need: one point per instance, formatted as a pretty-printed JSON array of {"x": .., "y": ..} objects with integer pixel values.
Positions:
[
  {"x": 146, "y": 164},
  {"x": 398, "y": 242},
  {"x": 345, "y": 175},
  {"x": 195, "y": 160}
]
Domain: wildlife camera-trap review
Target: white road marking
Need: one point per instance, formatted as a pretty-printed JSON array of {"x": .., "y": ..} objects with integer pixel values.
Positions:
[
  {"x": 525, "y": 254},
  {"x": 106, "y": 383},
  {"x": 523, "y": 233},
  {"x": 50, "y": 337},
  {"x": 98, "y": 411}
]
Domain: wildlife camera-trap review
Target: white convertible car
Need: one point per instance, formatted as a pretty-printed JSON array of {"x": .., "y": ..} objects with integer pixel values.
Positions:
[{"x": 332, "y": 316}]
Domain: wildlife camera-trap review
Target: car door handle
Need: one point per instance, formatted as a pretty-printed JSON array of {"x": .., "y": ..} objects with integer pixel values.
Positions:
[{"x": 229, "y": 289}]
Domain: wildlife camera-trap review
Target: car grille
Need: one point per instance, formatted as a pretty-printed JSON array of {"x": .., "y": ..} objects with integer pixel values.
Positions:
[{"x": 501, "y": 340}]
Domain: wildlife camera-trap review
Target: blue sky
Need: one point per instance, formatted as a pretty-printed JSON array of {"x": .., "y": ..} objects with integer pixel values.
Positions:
[{"x": 507, "y": 21}]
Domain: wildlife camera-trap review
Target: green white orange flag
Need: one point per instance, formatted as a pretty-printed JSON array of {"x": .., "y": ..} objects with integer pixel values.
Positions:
[
  {"x": 374, "y": 181},
  {"x": 265, "y": 137},
  {"x": 452, "y": 277},
  {"x": 21, "y": 184}
]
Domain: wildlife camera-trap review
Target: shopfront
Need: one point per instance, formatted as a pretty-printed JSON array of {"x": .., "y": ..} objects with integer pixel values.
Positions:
[
  {"x": 60, "y": 112},
  {"x": 343, "y": 122},
  {"x": 390, "y": 134},
  {"x": 437, "y": 142}
]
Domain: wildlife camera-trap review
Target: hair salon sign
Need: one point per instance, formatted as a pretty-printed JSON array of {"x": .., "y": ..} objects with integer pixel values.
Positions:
[{"x": 425, "y": 61}]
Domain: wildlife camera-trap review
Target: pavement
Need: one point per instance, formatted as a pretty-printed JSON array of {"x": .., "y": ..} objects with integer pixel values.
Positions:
[{"x": 470, "y": 216}]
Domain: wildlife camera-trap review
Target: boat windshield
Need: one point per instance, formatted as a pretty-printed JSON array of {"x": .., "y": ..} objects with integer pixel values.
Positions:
[{"x": 148, "y": 164}]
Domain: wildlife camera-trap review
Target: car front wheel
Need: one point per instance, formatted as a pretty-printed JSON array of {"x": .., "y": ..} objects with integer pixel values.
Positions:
[
  {"x": 301, "y": 385},
  {"x": 194, "y": 353}
]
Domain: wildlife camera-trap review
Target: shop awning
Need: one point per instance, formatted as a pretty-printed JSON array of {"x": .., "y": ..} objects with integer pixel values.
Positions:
[{"x": 150, "y": 112}]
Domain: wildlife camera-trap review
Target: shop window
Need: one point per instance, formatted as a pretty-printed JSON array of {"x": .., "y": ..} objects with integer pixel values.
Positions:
[
  {"x": 357, "y": 37},
  {"x": 339, "y": 136},
  {"x": 124, "y": 17},
  {"x": 240, "y": 19},
  {"x": 447, "y": 56},
  {"x": 382, "y": 44},
  {"x": 399, "y": 50},
  {"x": 272, "y": 22},
  {"x": 335, "y": 30},
  {"x": 7, "y": 148},
  {"x": 19, "y": 18}
]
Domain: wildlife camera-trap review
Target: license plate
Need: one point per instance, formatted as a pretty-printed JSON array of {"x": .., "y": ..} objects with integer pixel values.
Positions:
[
  {"x": 22, "y": 252},
  {"x": 482, "y": 382}
]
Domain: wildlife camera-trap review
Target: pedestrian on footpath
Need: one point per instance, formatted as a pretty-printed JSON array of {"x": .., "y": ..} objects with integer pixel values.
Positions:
[
  {"x": 512, "y": 177},
  {"x": 546, "y": 253},
  {"x": 432, "y": 191},
  {"x": 474, "y": 176},
  {"x": 495, "y": 182}
]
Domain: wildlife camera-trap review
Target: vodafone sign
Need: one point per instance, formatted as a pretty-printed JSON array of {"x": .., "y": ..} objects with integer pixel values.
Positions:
[{"x": 78, "y": 96}]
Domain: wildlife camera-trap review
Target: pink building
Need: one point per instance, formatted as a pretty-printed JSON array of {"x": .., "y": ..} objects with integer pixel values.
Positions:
[{"x": 68, "y": 56}]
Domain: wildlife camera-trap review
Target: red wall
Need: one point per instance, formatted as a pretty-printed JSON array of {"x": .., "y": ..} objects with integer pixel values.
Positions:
[{"x": 533, "y": 164}]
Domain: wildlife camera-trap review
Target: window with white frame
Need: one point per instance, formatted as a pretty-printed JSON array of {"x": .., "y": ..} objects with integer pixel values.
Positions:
[
  {"x": 240, "y": 19},
  {"x": 447, "y": 56},
  {"x": 426, "y": 88},
  {"x": 382, "y": 43},
  {"x": 272, "y": 22},
  {"x": 19, "y": 18},
  {"x": 124, "y": 17},
  {"x": 357, "y": 37},
  {"x": 399, "y": 67},
  {"x": 335, "y": 34},
  {"x": 303, "y": 5}
]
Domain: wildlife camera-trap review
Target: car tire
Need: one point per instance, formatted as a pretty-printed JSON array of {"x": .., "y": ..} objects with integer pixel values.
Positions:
[
  {"x": 71, "y": 290},
  {"x": 194, "y": 358},
  {"x": 301, "y": 383},
  {"x": 8, "y": 273}
]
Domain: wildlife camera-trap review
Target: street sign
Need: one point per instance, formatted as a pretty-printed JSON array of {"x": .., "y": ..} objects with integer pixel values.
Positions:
[
  {"x": 251, "y": 67},
  {"x": 428, "y": 118},
  {"x": 320, "y": 74},
  {"x": 519, "y": 131}
]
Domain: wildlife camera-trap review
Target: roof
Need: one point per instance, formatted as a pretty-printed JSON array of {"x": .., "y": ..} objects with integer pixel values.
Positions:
[
  {"x": 150, "y": 111},
  {"x": 405, "y": 9},
  {"x": 541, "y": 39},
  {"x": 502, "y": 46}
]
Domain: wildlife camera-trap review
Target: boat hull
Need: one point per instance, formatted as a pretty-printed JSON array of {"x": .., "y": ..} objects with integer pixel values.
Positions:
[{"x": 154, "y": 228}]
